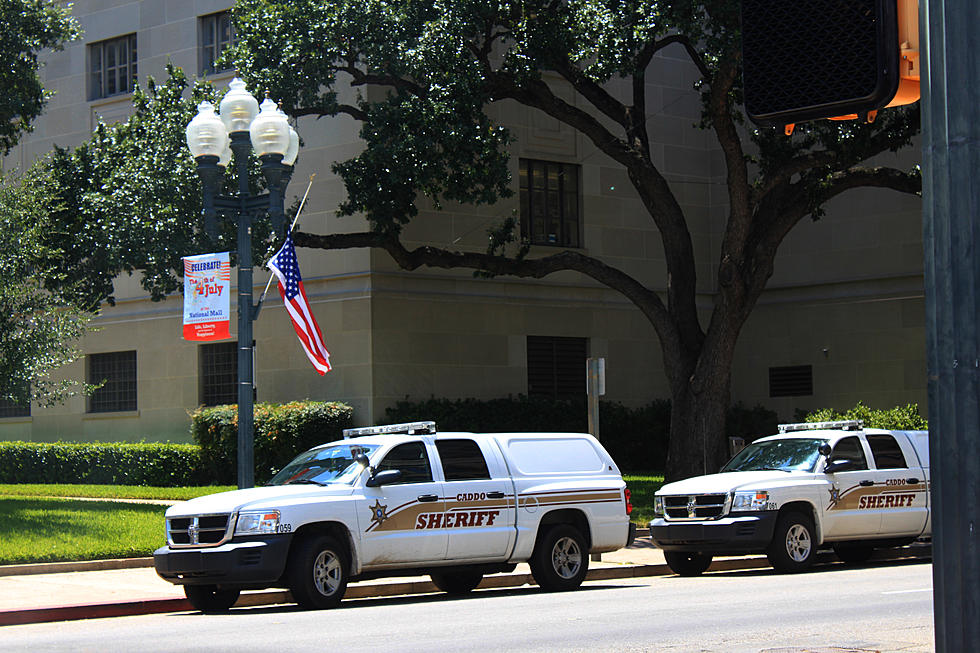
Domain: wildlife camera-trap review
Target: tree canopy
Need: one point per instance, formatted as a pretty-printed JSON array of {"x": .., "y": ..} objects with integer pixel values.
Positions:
[
  {"x": 38, "y": 328},
  {"x": 29, "y": 26}
]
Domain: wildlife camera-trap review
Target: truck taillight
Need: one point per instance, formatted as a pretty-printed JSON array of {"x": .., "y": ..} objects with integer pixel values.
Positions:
[{"x": 626, "y": 495}]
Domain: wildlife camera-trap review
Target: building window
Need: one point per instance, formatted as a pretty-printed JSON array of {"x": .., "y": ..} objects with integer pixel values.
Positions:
[
  {"x": 112, "y": 67},
  {"x": 793, "y": 381},
  {"x": 556, "y": 367},
  {"x": 217, "y": 35},
  {"x": 219, "y": 373},
  {"x": 11, "y": 408},
  {"x": 550, "y": 203},
  {"x": 116, "y": 372}
]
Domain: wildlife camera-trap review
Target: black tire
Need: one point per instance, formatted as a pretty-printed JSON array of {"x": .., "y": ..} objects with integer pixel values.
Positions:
[
  {"x": 208, "y": 598},
  {"x": 794, "y": 545},
  {"x": 317, "y": 573},
  {"x": 560, "y": 560},
  {"x": 456, "y": 582},
  {"x": 854, "y": 554},
  {"x": 687, "y": 564}
]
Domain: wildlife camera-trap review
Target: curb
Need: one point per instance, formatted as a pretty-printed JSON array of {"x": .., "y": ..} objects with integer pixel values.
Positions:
[{"x": 380, "y": 590}]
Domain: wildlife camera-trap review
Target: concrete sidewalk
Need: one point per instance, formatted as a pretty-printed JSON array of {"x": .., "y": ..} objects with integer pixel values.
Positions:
[{"x": 111, "y": 588}]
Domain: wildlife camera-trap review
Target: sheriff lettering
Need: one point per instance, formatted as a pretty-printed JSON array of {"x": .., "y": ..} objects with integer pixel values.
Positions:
[
  {"x": 456, "y": 519},
  {"x": 886, "y": 501}
]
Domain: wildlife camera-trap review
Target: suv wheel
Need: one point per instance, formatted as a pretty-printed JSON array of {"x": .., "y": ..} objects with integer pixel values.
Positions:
[
  {"x": 687, "y": 564},
  {"x": 318, "y": 572},
  {"x": 560, "y": 560},
  {"x": 456, "y": 582},
  {"x": 793, "y": 544},
  {"x": 208, "y": 598}
]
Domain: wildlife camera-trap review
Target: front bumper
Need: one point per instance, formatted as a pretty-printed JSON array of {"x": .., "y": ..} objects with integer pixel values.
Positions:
[
  {"x": 252, "y": 563},
  {"x": 747, "y": 533}
]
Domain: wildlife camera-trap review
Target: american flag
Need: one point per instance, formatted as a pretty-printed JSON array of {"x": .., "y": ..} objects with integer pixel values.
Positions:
[{"x": 285, "y": 267}]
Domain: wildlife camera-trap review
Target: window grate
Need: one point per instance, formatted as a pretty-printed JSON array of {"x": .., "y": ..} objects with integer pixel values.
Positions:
[
  {"x": 116, "y": 372},
  {"x": 219, "y": 373},
  {"x": 556, "y": 366},
  {"x": 791, "y": 381}
]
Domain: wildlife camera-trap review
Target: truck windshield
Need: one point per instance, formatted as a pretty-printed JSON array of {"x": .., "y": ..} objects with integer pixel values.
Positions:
[
  {"x": 797, "y": 454},
  {"x": 335, "y": 464}
]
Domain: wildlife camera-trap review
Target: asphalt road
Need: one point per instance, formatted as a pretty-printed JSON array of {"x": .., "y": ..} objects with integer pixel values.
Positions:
[{"x": 884, "y": 607}]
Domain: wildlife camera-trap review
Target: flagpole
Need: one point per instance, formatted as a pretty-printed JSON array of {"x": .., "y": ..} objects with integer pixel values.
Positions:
[{"x": 302, "y": 202}]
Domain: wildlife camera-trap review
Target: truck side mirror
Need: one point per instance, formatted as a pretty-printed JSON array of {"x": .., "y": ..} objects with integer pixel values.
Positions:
[
  {"x": 825, "y": 449},
  {"x": 840, "y": 465},
  {"x": 384, "y": 478},
  {"x": 362, "y": 460}
]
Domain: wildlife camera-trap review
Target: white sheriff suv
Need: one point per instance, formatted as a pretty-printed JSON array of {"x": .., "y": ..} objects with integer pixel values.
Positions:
[
  {"x": 403, "y": 500},
  {"x": 815, "y": 485}
]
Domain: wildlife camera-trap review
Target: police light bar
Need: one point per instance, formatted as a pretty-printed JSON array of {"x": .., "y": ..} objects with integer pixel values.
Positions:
[
  {"x": 842, "y": 425},
  {"x": 409, "y": 428}
]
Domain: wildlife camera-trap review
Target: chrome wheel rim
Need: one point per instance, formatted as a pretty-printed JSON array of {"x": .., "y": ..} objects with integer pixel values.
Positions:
[
  {"x": 566, "y": 557},
  {"x": 798, "y": 543},
  {"x": 327, "y": 573}
]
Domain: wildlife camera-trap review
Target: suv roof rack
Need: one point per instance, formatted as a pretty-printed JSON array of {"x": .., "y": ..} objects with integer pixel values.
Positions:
[
  {"x": 409, "y": 428},
  {"x": 842, "y": 425}
]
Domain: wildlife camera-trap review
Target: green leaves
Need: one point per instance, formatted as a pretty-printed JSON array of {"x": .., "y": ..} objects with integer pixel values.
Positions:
[{"x": 29, "y": 26}]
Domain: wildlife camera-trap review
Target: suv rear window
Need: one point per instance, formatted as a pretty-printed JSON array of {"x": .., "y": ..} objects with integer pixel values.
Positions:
[
  {"x": 462, "y": 460},
  {"x": 886, "y": 451}
]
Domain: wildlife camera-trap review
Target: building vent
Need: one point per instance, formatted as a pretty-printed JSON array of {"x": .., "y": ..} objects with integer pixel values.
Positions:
[{"x": 792, "y": 381}]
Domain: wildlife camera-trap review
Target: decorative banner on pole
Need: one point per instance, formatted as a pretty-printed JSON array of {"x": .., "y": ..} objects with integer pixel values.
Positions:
[{"x": 207, "y": 286}]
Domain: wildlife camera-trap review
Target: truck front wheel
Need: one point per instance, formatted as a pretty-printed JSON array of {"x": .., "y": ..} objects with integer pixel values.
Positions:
[
  {"x": 208, "y": 598},
  {"x": 793, "y": 544},
  {"x": 318, "y": 572},
  {"x": 687, "y": 564},
  {"x": 560, "y": 561}
]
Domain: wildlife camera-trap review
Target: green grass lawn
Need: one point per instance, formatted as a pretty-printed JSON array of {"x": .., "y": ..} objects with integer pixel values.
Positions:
[
  {"x": 110, "y": 491},
  {"x": 49, "y": 530},
  {"x": 642, "y": 487}
]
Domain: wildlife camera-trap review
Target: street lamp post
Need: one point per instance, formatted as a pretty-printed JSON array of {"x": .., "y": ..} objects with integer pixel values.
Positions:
[{"x": 213, "y": 140}]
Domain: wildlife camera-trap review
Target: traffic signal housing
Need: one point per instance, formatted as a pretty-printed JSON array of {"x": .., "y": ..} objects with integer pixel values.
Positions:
[{"x": 843, "y": 59}]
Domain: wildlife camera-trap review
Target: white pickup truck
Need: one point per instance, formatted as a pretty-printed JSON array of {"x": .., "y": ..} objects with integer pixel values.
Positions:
[
  {"x": 403, "y": 500},
  {"x": 823, "y": 484}
]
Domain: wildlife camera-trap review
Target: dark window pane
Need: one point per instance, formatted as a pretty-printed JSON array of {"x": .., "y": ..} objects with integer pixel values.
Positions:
[
  {"x": 549, "y": 203},
  {"x": 850, "y": 449},
  {"x": 462, "y": 460}
]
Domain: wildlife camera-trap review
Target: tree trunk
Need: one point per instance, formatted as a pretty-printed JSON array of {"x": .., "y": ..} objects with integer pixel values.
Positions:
[{"x": 699, "y": 402}]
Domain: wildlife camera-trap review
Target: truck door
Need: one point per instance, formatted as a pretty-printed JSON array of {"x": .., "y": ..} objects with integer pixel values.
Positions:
[
  {"x": 846, "y": 511},
  {"x": 390, "y": 515},
  {"x": 480, "y": 502},
  {"x": 900, "y": 491}
]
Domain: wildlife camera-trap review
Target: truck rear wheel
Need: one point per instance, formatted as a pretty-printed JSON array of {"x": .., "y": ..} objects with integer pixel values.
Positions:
[
  {"x": 318, "y": 572},
  {"x": 793, "y": 545},
  {"x": 687, "y": 564},
  {"x": 208, "y": 598},
  {"x": 560, "y": 560},
  {"x": 456, "y": 582}
]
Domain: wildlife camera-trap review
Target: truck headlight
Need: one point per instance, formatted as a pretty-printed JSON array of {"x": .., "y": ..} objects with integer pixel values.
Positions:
[
  {"x": 658, "y": 506},
  {"x": 754, "y": 500},
  {"x": 257, "y": 523}
]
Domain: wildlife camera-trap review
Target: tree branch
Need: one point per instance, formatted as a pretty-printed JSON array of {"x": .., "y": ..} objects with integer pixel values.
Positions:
[{"x": 645, "y": 299}]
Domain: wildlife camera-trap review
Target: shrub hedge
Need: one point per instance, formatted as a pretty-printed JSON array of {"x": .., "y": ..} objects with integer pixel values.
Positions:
[
  {"x": 281, "y": 432},
  {"x": 900, "y": 418},
  {"x": 635, "y": 437},
  {"x": 113, "y": 463}
]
